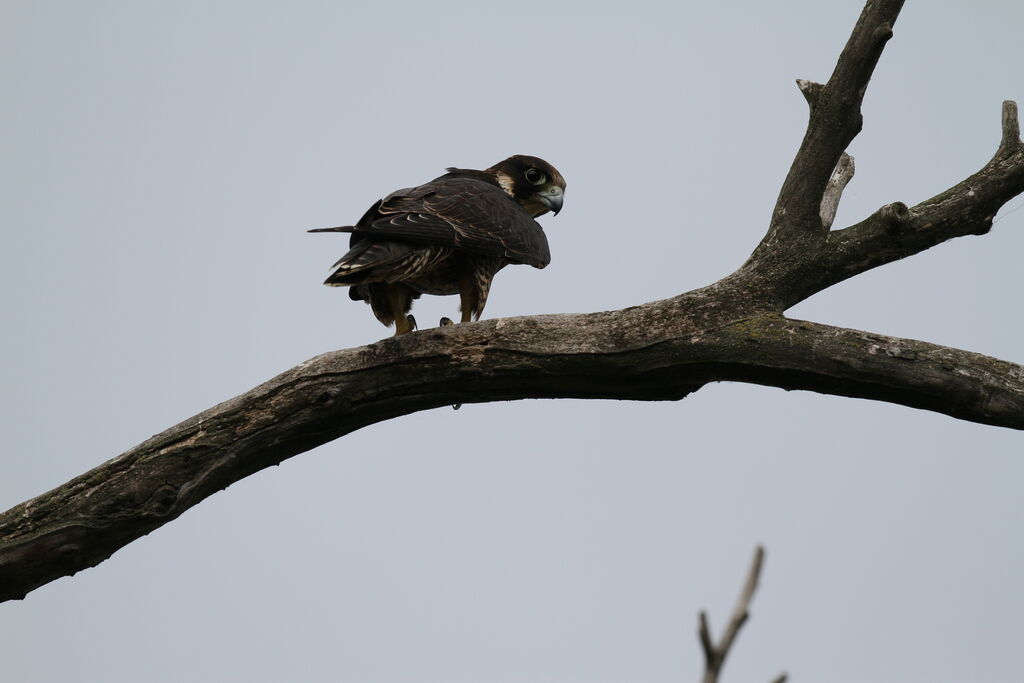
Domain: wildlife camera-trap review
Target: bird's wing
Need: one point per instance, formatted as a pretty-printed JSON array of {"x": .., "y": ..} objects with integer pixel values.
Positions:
[{"x": 464, "y": 213}]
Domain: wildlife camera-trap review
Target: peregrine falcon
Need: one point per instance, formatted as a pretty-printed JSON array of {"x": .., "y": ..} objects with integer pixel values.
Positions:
[{"x": 449, "y": 236}]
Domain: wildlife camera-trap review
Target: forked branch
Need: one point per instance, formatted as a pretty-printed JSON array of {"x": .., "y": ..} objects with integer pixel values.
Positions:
[
  {"x": 715, "y": 654},
  {"x": 895, "y": 232},
  {"x": 835, "y": 119}
]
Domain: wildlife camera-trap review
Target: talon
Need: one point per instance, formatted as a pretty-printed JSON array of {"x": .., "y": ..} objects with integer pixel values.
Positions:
[{"x": 404, "y": 325}]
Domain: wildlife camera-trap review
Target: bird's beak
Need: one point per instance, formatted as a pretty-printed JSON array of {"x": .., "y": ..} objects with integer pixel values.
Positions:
[{"x": 552, "y": 198}]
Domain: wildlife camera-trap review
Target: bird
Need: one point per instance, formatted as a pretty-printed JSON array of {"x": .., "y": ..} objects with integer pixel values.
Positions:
[{"x": 448, "y": 236}]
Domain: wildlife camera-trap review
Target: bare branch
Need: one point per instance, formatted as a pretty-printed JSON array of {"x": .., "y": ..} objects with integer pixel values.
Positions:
[
  {"x": 659, "y": 351},
  {"x": 741, "y": 612},
  {"x": 841, "y": 176},
  {"x": 834, "y": 121},
  {"x": 732, "y": 330},
  {"x": 704, "y": 631},
  {"x": 1011, "y": 130},
  {"x": 715, "y": 654},
  {"x": 894, "y": 232}
]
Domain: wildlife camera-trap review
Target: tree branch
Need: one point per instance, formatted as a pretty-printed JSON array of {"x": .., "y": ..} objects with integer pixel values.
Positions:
[
  {"x": 894, "y": 232},
  {"x": 1010, "y": 142},
  {"x": 714, "y": 655},
  {"x": 664, "y": 350},
  {"x": 841, "y": 176},
  {"x": 835, "y": 119},
  {"x": 732, "y": 330}
]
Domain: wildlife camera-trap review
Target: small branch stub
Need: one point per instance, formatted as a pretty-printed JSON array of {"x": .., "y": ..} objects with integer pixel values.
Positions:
[
  {"x": 810, "y": 90},
  {"x": 1011, "y": 129}
]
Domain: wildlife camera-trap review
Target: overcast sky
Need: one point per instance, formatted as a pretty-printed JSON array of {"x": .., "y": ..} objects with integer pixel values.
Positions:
[{"x": 161, "y": 163}]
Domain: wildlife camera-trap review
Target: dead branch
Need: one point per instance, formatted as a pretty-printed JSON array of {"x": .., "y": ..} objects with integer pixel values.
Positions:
[
  {"x": 714, "y": 655},
  {"x": 732, "y": 330}
]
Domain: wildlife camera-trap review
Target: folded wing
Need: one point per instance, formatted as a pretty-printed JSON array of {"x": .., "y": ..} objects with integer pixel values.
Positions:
[{"x": 464, "y": 213}]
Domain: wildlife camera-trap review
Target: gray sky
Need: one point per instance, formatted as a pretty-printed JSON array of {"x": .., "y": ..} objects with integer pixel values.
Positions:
[{"x": 160, "y": 164}]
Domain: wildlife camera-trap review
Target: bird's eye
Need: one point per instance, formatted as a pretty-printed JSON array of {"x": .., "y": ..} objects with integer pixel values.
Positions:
[{"x": 535, "y": 177}]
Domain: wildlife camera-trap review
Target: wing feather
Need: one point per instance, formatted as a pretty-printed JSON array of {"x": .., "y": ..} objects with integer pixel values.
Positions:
[{"x": 464, "y": 213}]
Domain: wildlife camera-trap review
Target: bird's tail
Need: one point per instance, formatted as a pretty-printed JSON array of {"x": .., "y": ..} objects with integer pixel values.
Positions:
[
  {"x": 342, "y": 228},
  {"x": 368, "y": 261},
  {"x": 347, "y": 268}
]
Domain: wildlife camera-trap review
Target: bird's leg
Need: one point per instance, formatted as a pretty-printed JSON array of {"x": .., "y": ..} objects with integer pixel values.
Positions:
[
  {"x": 469, "y": 297},
  {"x": 403, "y": 326},
  {"x": 400, "y": 301}
]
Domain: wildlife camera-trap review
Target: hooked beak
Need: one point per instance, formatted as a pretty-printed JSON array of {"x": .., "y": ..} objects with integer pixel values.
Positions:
[{"x": 552, "y": 198}]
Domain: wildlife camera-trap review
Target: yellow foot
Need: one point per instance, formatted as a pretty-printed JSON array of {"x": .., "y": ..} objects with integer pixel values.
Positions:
[{"x": 407, "y": 327}]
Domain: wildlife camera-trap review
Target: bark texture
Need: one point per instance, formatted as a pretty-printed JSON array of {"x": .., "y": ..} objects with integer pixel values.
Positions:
[{"x": 732, "y": 330}]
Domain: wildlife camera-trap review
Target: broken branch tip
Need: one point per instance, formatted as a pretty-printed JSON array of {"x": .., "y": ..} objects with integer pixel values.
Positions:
[
  {"x": 1011, "y": 126},
  {"x": 809, "y": 89}
]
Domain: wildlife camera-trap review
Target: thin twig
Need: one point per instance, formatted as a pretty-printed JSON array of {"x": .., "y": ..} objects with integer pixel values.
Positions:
[
  {"x": 714, "y": 655},
  {"x": 705, "y": 640}
]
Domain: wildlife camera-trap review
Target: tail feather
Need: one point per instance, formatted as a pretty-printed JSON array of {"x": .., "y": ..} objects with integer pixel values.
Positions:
[
  {"x": 367, "y": 261},
  {"x": 343, "y": 228}
]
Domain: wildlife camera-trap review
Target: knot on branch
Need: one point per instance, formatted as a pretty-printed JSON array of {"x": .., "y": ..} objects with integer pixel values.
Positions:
[
  {"x": 883, "y": 33},
  {"x": 894, "y": 216}
]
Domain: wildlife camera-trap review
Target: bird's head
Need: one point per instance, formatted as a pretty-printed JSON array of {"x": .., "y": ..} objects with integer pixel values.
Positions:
[{"x": 533, "y": 182}]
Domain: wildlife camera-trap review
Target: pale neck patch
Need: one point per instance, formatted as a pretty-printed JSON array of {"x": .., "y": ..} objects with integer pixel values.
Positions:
[{"x": 505, "y": 182}]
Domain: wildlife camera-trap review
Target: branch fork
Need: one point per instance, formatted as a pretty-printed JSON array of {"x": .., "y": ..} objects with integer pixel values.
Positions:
[{"x": 715, "y": 654}]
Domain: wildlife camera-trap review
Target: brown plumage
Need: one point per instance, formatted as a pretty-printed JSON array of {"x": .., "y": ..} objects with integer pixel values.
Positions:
[{"x": 449, "y": 236}]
